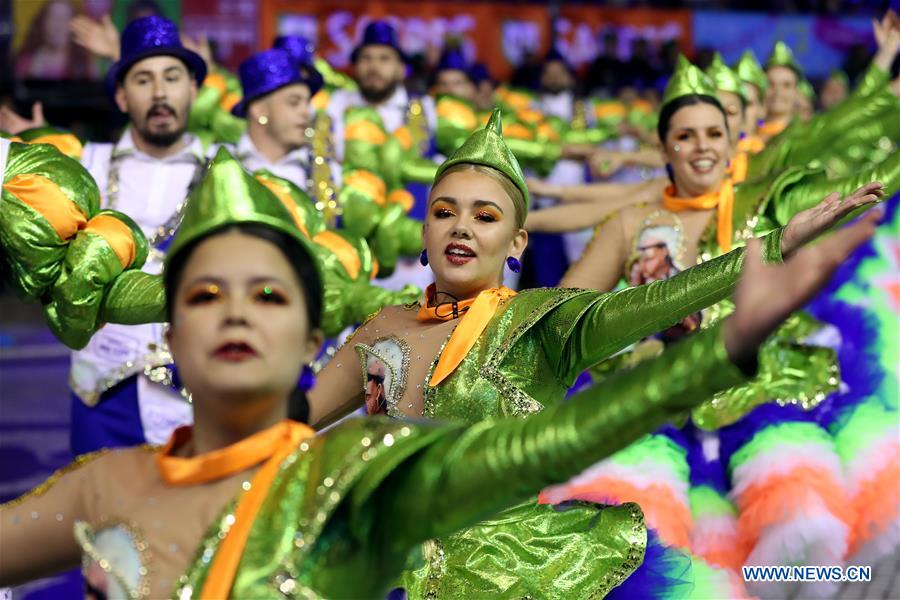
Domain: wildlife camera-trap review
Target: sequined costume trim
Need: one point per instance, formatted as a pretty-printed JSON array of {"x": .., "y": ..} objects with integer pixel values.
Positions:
[
  {"x": 85, "y": 534},
  {"x": 79, "y": 462}
]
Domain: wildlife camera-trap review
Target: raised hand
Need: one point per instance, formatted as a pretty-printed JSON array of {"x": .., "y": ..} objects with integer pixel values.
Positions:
[
  {"x": 768, "y": 294},
  {"x": 100, "y": 38},
  {"x": 201, "y": 46},
  {"x": 808, "y": 225},
  {"x": 887, "y": 38},
  {"x": 14, "y": 124}
]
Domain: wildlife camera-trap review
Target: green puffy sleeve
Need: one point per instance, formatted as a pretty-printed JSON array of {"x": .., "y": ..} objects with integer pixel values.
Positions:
[
  {"x": 874, "y": 78},
  {"x": 857, "y": 120},
  {"x": 810, "y": 190},
  {"x": 133, "y": 298},
  {"x": 473, "y": 472},
  {"x": 579, "y": 336}
]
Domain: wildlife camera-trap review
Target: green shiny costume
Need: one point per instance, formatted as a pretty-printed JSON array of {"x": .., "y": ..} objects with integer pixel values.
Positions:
[
  {"x": 538, "y": 550},
  {"x": 861, "y": 131},
  {"x": 347, "y": 507},
  {"x": 53, "y": 254}
]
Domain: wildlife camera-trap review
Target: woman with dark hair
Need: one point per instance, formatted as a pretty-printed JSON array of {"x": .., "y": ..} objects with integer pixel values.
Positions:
[
  {"x": 473, "y": 349},
  {"x": 49, "y": 51},
  {"x": 706, "y": 213},
  {"x": 246, "y": 503}
]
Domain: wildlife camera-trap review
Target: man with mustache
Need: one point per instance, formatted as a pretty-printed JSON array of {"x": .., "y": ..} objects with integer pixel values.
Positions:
[
  {"x": 379, "y": 69},
  {"x": 124, "y": 392}
]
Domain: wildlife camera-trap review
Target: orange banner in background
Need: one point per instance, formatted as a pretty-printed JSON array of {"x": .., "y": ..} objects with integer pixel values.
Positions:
[{"x": 498, "y": 34}]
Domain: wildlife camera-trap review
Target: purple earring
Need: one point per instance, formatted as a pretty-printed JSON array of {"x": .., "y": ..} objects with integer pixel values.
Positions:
[
  {"x": 423, "y": 258},
  {"x": 728, "y": 164},
  {"x": 307, "y": 379},
  {"x": 513, "y": 263}
]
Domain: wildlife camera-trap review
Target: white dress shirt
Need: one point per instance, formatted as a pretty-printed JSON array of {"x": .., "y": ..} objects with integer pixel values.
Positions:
[
  {"x": 293, "y": 166},
  {"x": 149, "y": 190}
]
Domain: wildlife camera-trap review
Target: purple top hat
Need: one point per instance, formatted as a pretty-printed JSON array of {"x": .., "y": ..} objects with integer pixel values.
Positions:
[
  {"x": 452, "y": 59},
  {"x": 379, "y": 33},
  {"x": 479, "y": 72},
  {"x": 270, "y": 70},
  {"x": 300, "y": 49},
  {"x": 151, "y": 36}
]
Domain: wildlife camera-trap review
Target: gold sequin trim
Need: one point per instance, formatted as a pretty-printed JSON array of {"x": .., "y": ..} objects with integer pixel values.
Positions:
[
  {"x": 79, "y": 462},
  {"x": 523, "y": 404},
  {"x": 85, "y": 534},
  {"x": 398, "y": 380}
]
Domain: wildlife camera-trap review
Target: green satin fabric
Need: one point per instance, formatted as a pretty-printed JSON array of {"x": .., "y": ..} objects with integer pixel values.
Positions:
[
  {"x": 534, "y": 551},
  {"x": 226, "y": 127},
  {"x": 134, "y": 298},
  {"x": 32, "y": 248},
  {"x": 72, "y": 308},
  {"x": 849, "y": 136},
  {"x": 349, "y": 507},
  {"x": 556, "y": 333},
  {"x": 790, "y": 372}
]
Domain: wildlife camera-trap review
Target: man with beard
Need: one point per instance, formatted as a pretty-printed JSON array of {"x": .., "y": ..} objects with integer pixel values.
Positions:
[
  {"x": 125, "y": 392},
  {"x": 453, "y": 76},
  {"x": 379, "y": 68},
  {"x": 557, "y": 97},
  {"x": 276, "y": 103}
]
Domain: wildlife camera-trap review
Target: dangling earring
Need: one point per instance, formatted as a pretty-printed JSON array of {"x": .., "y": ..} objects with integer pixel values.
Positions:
[
  {"x": 423, "y": 258},
  {"x": 513, "y": 263},
  {"x": 307, "y": 379},
  {"x": 263, "y": 120},
  {"x": 728, "y": 164},
  {"x": 670, "y": 172},
  {"x": 676, "y": 148}
]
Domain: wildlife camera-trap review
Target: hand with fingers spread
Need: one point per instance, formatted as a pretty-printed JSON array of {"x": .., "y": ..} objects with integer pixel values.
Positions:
[
  {"x": 767, "y": 294},
  {"x": 100, "y": 38},
  {"x": 14, "y": 124},
  {"x": 887, "y": 38},
  {"x": 806, "y": 226}
]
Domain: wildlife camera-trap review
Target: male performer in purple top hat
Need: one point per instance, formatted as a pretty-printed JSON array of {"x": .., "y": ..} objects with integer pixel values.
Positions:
[
  {"x": 277, "y": 88},
  {"x": 123, "y": 388},
  {"x": 453, "y": 76},
  {"x": 379, "y": 68}
]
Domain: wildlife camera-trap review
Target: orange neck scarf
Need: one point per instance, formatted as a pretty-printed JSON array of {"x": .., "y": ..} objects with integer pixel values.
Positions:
[
  {"x": 721, "y": 199},
  {"x": 740, "y": 164},
  {"x": 270, "y": 447},
  {"x": 752, "y": 144},
  {"x": 770, "y": 129},
  {"x": 478, "y": 313}
]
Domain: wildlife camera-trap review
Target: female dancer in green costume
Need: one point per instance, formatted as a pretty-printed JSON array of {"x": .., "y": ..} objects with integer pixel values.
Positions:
[
  {"x": 247, "y": 504},
  {"x": 474, "y": 350}
]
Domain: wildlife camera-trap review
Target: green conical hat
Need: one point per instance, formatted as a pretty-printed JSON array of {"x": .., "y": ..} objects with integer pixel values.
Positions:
[
  {"x": 724, "y": 78},
  {"x": 486, "y": 147},
  {"x": 782, "y": 56},
  {"x": 229, "y": 195},
  {"x": 750, "y": 71},
  {"x": 687, "y": 80},
  {"x": 806, "y": 88}
]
